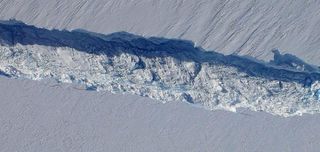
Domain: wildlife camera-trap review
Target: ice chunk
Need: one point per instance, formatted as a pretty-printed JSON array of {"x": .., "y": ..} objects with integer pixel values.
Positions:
[{"x": 317, "y": 94}]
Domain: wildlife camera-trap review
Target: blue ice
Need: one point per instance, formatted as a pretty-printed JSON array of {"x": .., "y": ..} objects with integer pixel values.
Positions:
[{"x": 317, "y": 94}]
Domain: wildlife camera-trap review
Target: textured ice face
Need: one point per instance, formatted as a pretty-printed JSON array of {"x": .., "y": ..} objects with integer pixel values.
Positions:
[
  {"x": 318, "y": 94},
  {"x": 212, "y": 86},
  {"x": 159, "y": 68}
]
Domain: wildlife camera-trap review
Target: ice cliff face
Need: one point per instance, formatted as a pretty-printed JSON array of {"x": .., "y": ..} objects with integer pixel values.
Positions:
[
  {"x": 162, "y": 69},
  {"x": 246, "y": 27}
]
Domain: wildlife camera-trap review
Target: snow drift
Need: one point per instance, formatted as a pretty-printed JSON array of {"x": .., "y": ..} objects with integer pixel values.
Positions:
[{"x": 160, "y": 68}]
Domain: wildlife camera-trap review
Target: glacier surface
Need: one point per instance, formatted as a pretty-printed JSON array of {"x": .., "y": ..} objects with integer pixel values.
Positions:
[
  {"x": 44, "y": 116},
  {"x": 160, "y": 68},
  {"x": 245, "y": 27}
]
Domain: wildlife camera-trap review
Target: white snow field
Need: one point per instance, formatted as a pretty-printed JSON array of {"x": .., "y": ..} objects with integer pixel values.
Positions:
[
  {"x": 38, "y": 116},
  {"x": 245, "y": 27}
]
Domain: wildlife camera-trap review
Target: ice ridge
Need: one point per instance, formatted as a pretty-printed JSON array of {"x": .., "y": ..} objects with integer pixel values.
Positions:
[{"x": 160, "y": 68}]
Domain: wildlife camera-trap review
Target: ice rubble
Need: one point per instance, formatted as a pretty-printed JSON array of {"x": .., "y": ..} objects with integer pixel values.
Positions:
[{"x": 162, "y": 69}]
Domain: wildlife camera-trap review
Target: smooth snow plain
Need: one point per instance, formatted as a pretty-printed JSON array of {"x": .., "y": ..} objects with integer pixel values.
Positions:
[
  {"x": 37, "y": 116},
  {"x": 245, "y": 27}
]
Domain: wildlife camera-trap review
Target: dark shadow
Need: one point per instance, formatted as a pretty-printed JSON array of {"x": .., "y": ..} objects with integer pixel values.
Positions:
[
  {"x": 14, "y": 32},
  {"x": 4, "y": 74}
]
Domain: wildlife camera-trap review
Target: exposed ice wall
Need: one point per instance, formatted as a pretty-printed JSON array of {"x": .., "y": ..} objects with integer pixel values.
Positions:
[
  {"x": 163, "y": 69},
  {"x": 247, "y": 27}
]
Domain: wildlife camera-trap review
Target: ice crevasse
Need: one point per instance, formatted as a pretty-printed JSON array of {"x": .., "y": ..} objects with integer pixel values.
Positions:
[{"x": 163, "y": 69}]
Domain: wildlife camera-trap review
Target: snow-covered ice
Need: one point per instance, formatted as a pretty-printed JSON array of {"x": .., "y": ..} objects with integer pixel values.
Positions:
[
  {"x": 246, "y": 27},
  {"x": 237, "y": 55},
  {"x": 45, "y": 116}
]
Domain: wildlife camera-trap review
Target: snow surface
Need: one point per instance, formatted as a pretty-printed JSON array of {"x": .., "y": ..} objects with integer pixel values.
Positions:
[
  {"x": 245, "y": 27},
  {"x": 162, "y": 69},
  {"x": 46, "y": 116}
]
